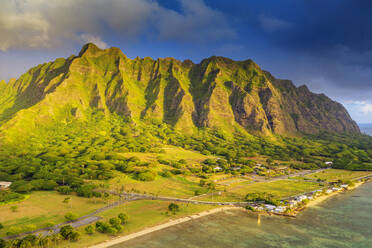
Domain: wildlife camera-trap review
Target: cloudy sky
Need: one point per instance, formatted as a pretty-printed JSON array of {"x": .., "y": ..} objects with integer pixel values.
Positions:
[{"x": 326, "y": 45}]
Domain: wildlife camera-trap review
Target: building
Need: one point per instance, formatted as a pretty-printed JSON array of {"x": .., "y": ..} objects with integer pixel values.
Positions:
[
  {"x": 269, "y": 207},
  {"x": 301, "y": 198},
  {"x": 5, "y": 185},
  {"x": 329, "y": 163},
  {"x": 344, "y": 186},
  {"x": 217, "y": 168},
  {"x": 280, "y": 209},
  {"x": 292, "y": 203}
]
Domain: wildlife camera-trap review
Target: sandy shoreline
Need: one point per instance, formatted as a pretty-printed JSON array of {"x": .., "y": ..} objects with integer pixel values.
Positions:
[
  {"x": 119, "y": 240},
  {"x": 170, "y": 223},
  {"x": 322, "y": 198}
]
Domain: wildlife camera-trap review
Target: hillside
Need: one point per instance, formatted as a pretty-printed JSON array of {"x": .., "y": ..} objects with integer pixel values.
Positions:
[{"x": 217, "y": 93}]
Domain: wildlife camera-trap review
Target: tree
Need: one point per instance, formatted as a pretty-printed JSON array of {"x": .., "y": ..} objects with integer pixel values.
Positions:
[
  {"x": 65, "y": 190},
  {"x": 14, "y": 208},
  {"x": 173, "y": 208},
  {"x": 123, "y": 218},
  {"x": 74, "y": 236},
  {"x": 66, "y": 231},
  {"x": 1, "y": 226},
  {"x": 2, "y": 243},
  {"x": 89, "y": 229},
  {"x": 70, "y": 216},
  {"x": 115, "y": 222}
]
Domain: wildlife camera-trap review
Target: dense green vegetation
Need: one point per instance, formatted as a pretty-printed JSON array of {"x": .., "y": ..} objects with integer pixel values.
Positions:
[
  {"x": 66, "y": 156},
  {"x": 8, "y": 196}
]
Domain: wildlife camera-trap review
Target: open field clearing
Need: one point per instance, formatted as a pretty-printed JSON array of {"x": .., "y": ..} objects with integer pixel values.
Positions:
[
  {"x": 44, "y": 207},
  {"x": 175, "y": 186},
  {"x": 170, "y": 153},
  {"x": 337, "y": 174},
  {"x": 279, "y": 188}
]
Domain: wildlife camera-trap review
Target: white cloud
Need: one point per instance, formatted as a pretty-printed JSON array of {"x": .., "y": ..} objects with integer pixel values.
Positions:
[
  {"x": 35, "y": 24},
  {"x": 88, "y": 38},
  {"x": 272, "y": 24},
  {"x": 367, "y": 108}
]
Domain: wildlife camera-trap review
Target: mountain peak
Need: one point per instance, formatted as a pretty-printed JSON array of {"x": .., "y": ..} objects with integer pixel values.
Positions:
[
  {"x": 212, "y": 93},
  {"x": 89, "y": 49}
]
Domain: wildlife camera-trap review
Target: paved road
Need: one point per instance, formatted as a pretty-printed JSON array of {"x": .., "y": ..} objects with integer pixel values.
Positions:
[
  {"x": 82, "y": 221},
  {"x": 91, "y": 218}
]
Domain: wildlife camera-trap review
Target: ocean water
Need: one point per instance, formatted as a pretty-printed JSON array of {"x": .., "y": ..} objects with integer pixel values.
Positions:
[
  {"x": 344, "y": 220},
  {"x": 366, "y": 128}
]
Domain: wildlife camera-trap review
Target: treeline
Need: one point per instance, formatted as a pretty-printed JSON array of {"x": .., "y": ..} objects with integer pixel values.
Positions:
[{"x": 65, "y": 156}]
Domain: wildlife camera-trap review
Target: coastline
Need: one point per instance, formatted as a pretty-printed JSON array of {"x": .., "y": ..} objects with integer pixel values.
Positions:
[
  {"x": 118, "y": 240},
  {"x": 322, "y": 198}
]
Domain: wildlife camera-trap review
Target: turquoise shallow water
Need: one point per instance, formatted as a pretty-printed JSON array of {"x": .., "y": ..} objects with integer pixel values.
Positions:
[{"x": 344, "y": 220}]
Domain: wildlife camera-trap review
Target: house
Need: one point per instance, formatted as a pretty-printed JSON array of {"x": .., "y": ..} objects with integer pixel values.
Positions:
[
  {"x": 344, "y": 186},
  {"x": 301, "y": 198},
  {"x": 269, "y": 207},
  {"x": 5, "y": 185},
  {"x": 235, "y": 168},
  {"x": 217, "y": 168},
  {"x": 259, "y": 208},
  {"x": 292, "y": 203},
  {"x": 280, "y": 209},
  {"x": 329, "y": 163},
  {"x": 328, "y": 191},
  {"x": 336, "y": 189}
]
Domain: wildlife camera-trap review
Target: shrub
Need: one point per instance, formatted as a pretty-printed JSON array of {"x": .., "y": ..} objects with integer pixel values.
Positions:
[
  {"x": 89, "y": 229},
  {"x": 123, "y": 218},
  {"x": 173, "y": 208},
  {"x": 14, "y": 230},
  {"x": 70, "y": 216},
  {"x": 28, "y": 228},
  {"x": 166, "y": 174},
  {"x": 115, "y": 221},
  {"x": 65, "y": 190},
  {"x": 146, "y": 176},
  {"x": 74, "y": 236},
  {"x": 2, "y": 243},
  {"x": 66, "y": 231}
]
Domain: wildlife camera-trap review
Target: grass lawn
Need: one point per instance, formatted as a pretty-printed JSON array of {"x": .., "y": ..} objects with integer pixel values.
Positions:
[
  {"x": 141, "y": 214},
  {"x": 170, "y": 153},
  {"x": 43, "y": 207},
  {"x": 280, "y": 188},
  {"x": 336, "y": 174},
  {"x": 175, "y": 186}
]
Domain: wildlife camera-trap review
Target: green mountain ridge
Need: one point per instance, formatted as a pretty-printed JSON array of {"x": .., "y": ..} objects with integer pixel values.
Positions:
[{"x": 217, "y": 93}]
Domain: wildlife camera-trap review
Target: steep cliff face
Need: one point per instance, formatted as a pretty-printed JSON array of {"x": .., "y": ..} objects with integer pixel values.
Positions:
[
  {"x": 217, "y": 93},
  {"x": 313, "y": 112}
]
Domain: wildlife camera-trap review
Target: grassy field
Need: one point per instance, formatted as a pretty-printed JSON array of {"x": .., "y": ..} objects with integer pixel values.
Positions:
[
  {"x": 44, "y": 207},
  {"x": 175, "y": 186},
  {"x": 141, "y": 214},
  {"x": 170, "y": 153},
  {"x": 280, "y": 188},
  {"x": 336, "y": 174}
]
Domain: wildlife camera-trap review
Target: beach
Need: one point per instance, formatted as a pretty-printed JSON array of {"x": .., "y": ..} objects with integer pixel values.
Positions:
[
  {"x": 322, "y": 198},
  {"x": 149, "y": 230},
  {"x": 118, "y": 240}
]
